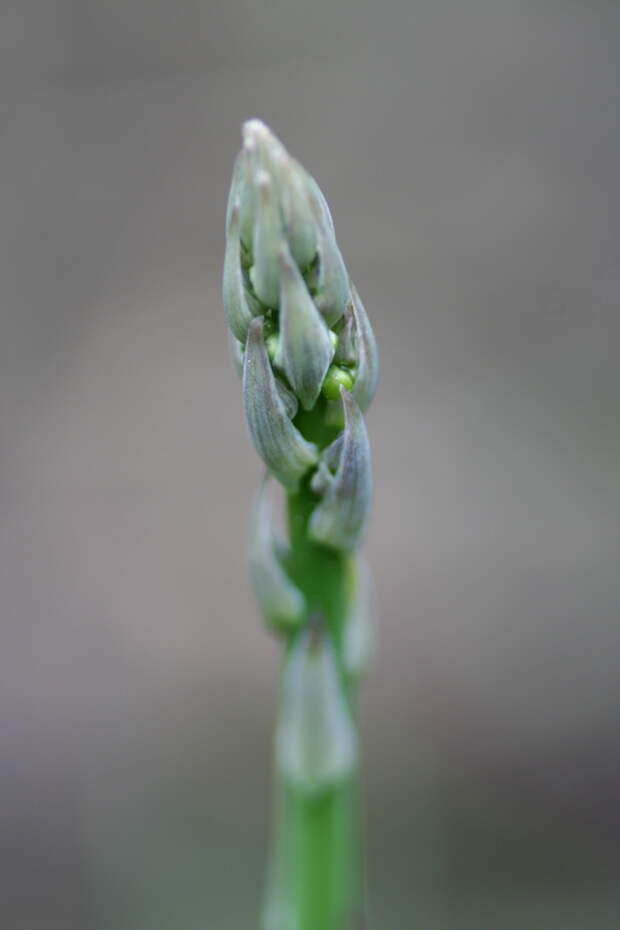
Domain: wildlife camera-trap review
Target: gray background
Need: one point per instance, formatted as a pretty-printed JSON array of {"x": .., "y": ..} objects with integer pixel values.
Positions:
[{"x": 470, "y": 153}]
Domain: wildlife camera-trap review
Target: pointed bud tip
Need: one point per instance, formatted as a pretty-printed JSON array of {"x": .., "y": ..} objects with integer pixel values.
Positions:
[{"x": 253, "y": 130}]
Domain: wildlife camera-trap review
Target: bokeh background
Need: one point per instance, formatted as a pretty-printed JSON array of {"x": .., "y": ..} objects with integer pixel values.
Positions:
[{"x": 471, "y": 154}]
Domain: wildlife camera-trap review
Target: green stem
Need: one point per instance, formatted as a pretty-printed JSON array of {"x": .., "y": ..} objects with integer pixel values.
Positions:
[
  {"x": 323, "y": 856},
  {"x": 315, "y": 880}
]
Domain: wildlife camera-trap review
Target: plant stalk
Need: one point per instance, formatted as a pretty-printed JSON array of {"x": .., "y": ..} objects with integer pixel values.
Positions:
[{"x": 316, "y": 859}]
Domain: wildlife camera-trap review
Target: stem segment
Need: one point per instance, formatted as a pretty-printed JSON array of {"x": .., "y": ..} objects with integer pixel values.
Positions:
[{"x": 314, "y": 880}]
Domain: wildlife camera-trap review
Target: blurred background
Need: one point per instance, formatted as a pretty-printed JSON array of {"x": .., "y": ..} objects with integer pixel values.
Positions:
[{"x": 471, "y": 155}]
